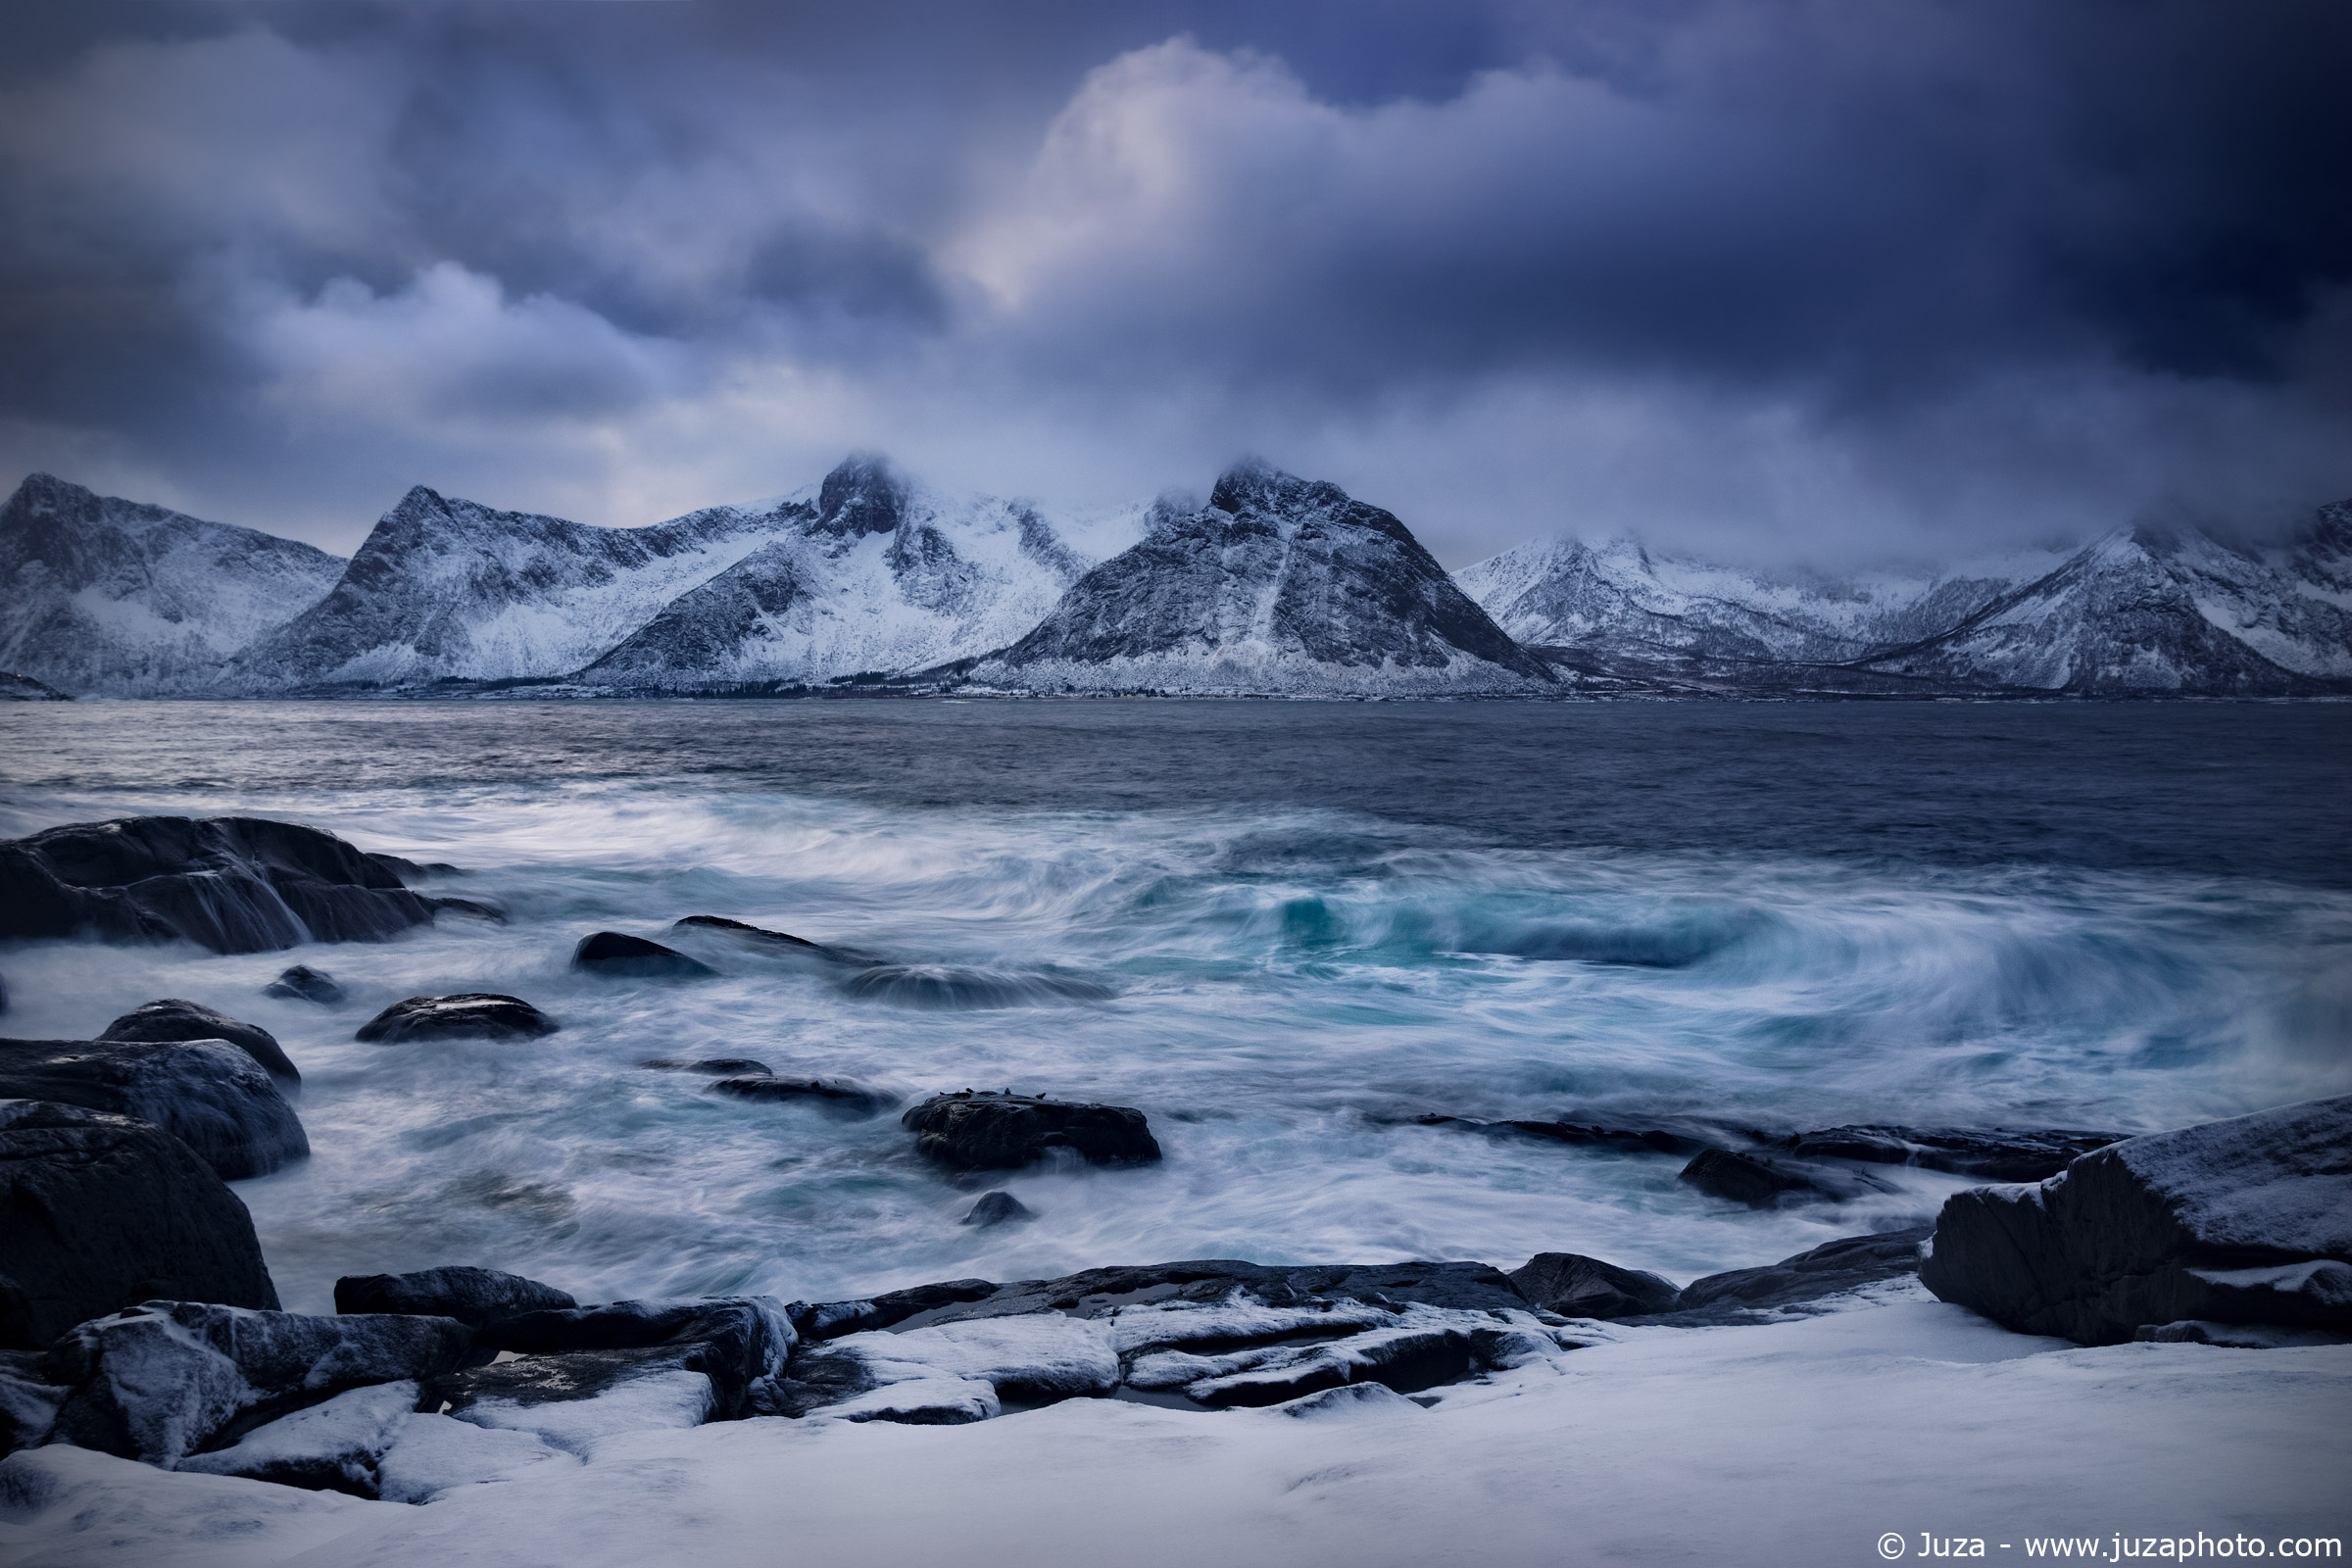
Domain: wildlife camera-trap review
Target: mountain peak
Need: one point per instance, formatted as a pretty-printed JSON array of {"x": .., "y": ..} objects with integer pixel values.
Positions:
[
  {"x": 1253, "y": 485},
  {"x": 863, "y": 495}
]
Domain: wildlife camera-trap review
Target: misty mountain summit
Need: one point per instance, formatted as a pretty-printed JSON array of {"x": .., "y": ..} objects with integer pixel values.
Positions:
[{"x": 1277, "y": 584}]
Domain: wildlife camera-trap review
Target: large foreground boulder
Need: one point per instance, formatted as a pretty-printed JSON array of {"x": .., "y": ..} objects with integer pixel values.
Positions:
[
  {"x": 2241, "y": 1221},
  {"x": 232, "y": 884},
  {"x": 207, "y": 1092},
  {"x": 175, "y": 1018},
  {"x": 1004, "y": 1132},
  {"x": 472, "y": 1296},
  {"x": 465, "y": 1015},
  {"x": 101, "y": 1212},
  {"x": 170, "y": 1378}
]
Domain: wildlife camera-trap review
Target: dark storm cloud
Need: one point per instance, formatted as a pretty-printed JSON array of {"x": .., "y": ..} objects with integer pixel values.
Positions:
[{"x": 1791, "y": 277}]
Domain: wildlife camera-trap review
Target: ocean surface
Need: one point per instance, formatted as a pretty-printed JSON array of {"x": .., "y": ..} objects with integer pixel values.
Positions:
[{"x": 1283, "y": 930}]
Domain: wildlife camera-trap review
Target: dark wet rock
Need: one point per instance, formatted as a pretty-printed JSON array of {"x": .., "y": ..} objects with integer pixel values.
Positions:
[
  {"x": 170, "y": 1378},
  {"x": 572, "y": 1398},
  {"x": 2237, "y": 1336},
  {"x": 1995, "y": 1154},
  {"x": 15, "y": 688},
  {"x": 338, "y": 1446},
  {"x": 1795, "y": 1284},
  {"x": 2247, "y": 1220},
  {"x": 1645, "y": 1141},
  {"x": 175, "y": 1019},
  {"x": 411, "y": 871},
  {"x": 953, "y": 989},
  {"x": 1468, "y": 1287},
  {"x": 834, "y": 1095},
  {"x": 1576, "y": 1286},
  {"x": 301, "y": 983},
  {"x": 469, "y": 1014},
  {"x": 472, "y": 1296},
  {"x": 207, "y": 1092},
  {"x": 777, "y": 944},
  {"x": 716, "y": 1066},
  {"x": 733, "y": 1340},
  {"x": 997, "y": 1209},
  {"x": 476, "y": 907},
  {"x": 1763, "y": 1181},
  {"x": 611, "y": 952},
  {"x": 232, "y": 884},
  {"x": 103, "y": 1211},
  {"x": 28, "y": 1403},
  {"x": 826, "y": 1320},
  {"x": 1004, "y": 1132},
  {"x": 1406, "y": 1360}
]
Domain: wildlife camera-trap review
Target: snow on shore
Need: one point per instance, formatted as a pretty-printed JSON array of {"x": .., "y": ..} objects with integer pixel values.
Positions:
[{"x": 1797, "y": 1443}]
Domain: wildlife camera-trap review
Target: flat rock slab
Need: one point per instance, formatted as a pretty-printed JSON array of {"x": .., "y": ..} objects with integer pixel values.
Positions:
[
  {"x": 465, "y": 1015},
  {"x": 2247, "y": 1220},
  {"x": 472, "y": 1296},
  {"x": 230, "y": 884},
  {"x": 716, "y": 1066},
  {"x": 1005, "y": 1132},
  {"x": 615, "y": 952},
  {"x": 208, "y": 1094},
  {"x": 1797, "y": 1285},
  {"x": 1995, "y": 1155},
  {"x": 104, "y": 1211},
  {"x": 175, "y": 1018}
]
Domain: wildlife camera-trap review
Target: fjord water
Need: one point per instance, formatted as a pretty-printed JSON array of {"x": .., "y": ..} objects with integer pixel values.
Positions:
[{"x": 1283, "y": 930}]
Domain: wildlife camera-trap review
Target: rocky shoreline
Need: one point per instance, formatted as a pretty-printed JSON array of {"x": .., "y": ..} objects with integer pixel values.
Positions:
[{"x": 137, "y": 1316}]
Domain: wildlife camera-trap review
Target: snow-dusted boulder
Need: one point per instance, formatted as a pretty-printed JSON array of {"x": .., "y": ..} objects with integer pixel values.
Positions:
[
  {"x": 432, "y": 1455},
  {"x": 1574, "y": 1286},
  {"x": 334, "y": 1446},
  {"x": 1002, "y": 1132},
  {"x": 2241, "y": 1221},
  {"x": 472, "y": 1296},
  {"x": 160, "y": 1381},
  {"x": 232, "y": 884},
  {"x": 1800, "y": 1285},
  {"x": 106, "y": 1211},
  {"x": 468, "y": 1015},
  {"x": 208, "y": 1094},
  {"x": 176, "y": 1019}
]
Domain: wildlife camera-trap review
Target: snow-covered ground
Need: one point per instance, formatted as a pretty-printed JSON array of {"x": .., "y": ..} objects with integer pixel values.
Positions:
[{"x": 1798, "y": 1443}]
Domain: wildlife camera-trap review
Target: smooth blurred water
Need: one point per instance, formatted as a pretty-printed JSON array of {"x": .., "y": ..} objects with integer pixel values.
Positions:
[{"x": 1315, "y": 921}]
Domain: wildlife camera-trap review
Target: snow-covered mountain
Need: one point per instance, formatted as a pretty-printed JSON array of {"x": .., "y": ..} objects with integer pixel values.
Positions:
[
  {"x": 116, "y": 598},
  {"x": 872, "y": 574},
  {"x": 2139, "y": 612},
  {"x": 448, "y": 589},
  {"x": 1278, "y": 585},
  {"x": 2153, "y": 610}
]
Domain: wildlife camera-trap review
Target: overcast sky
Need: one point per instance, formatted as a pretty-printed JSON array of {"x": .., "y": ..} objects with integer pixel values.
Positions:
[{"x": 1787, "y": 281}]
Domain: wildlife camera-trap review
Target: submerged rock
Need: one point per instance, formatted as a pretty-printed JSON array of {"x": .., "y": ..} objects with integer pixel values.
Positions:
[
  {"x": 1996, "y": 1155},
  {"x": 166, "y": 1379},
  {"x": 1762, "y": 1181},
  {"x": 716, "y": 1066},
  {"x": 207, "y": 1092},
  {"x": 613, "y": 953},
  {"x": 1004, "y": 1132},
  {"x": 175, "y": 1019},
  {"x": 468, "y": 1015},
  {"x": 472, "y": 1295},
  {"x": 232, "y": 884},
  {"x": 1576, "y": 1286},
  {"x": 997, "y": 1209},
  {"x": 949, "y": 988},
  {"x": 1797, "y": 1284},
  {"x": 103, "y": 1211},
  {"x": 834, "y": 1095},
  {"x": 2247, "y": 1220},
  {"x": 301, "y": 983}
]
